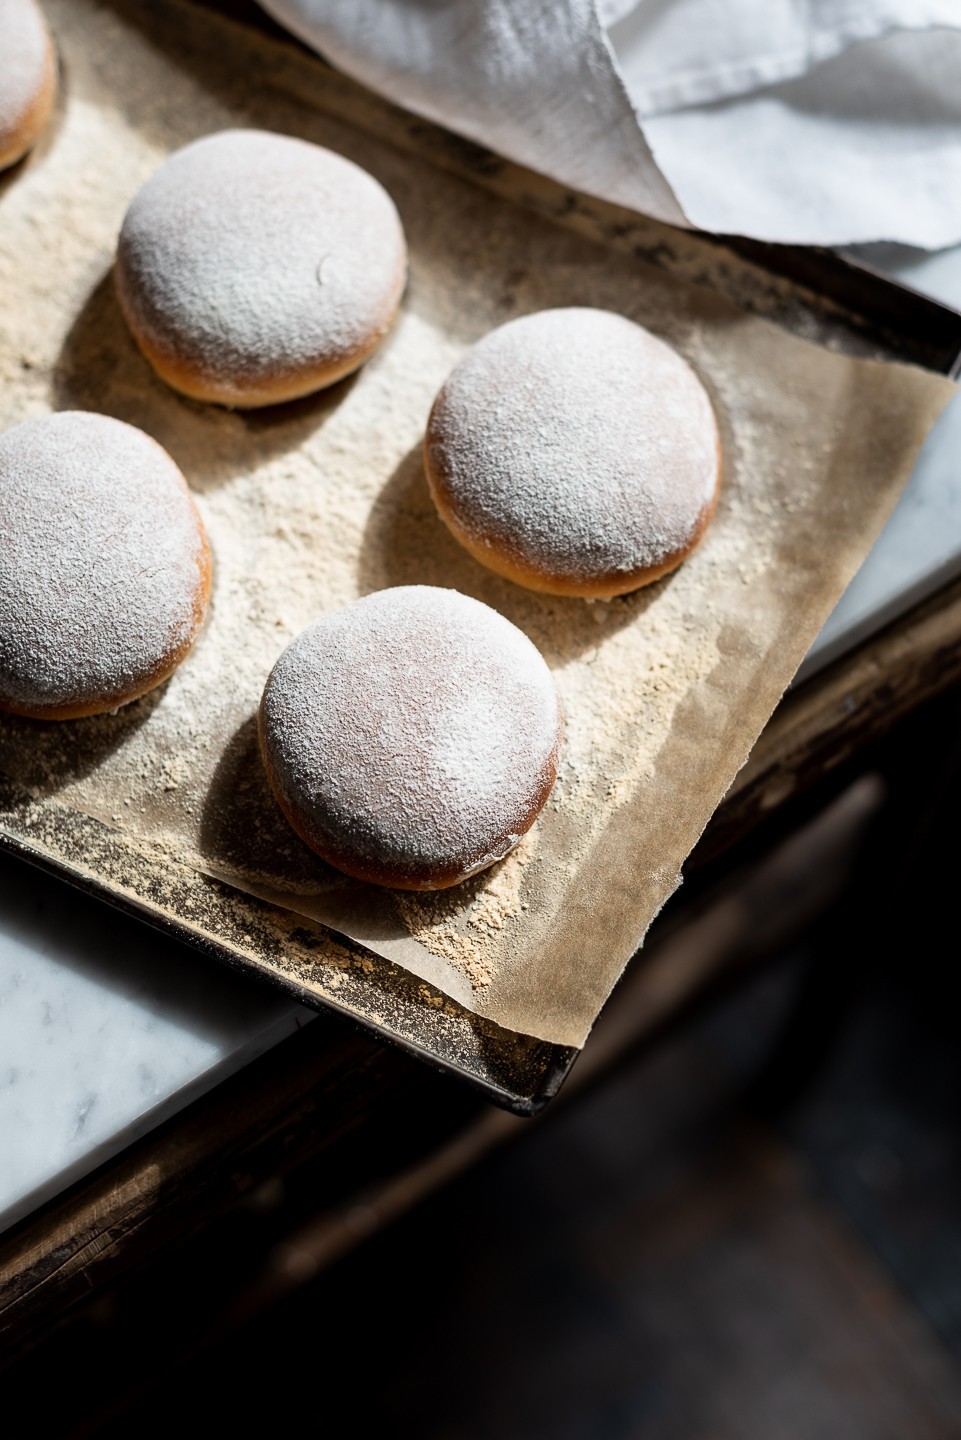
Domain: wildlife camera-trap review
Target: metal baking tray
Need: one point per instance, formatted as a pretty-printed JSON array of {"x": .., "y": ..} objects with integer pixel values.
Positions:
[{"x": 814, "y": 292}]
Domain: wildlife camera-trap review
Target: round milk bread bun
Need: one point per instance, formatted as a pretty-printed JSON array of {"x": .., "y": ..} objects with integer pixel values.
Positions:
[
  {"x": 105, "y": 574},
  {"x": 575, "y": 453},
  {"x": 28, "y": 78},
  {"x": 411, "y": 738},
  {"x": 255, "y": 268}
]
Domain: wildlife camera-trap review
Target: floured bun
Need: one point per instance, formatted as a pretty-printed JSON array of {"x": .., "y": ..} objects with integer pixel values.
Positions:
[
  {"x": 412, "y": 737},
  {"x": 105, "y": 574},
  {"x": 254, "y": 268},
  {"x": 575, "y": 453},
  {"x": 28, "y": 78}
]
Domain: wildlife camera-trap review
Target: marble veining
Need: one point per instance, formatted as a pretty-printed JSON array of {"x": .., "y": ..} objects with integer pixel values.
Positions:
[
  {"x": 920, "y": 547},
  {"x": 107, "y": 1027}
]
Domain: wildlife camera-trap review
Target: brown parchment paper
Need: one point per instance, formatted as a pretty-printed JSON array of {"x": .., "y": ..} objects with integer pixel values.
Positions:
[{"x": 310, "y": 505}]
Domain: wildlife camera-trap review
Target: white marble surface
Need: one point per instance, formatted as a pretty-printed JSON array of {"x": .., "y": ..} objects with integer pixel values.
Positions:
[
  {"x": 107, "y": 1028},
  {"x": 920, "y": 547}
]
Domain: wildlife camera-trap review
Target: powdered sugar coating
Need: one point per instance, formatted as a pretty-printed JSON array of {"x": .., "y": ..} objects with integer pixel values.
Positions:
[
  {"x": 412, "y": 737},
  {"x": 575, "y": 452},
  {"x": 253, "y": 267},
  {"x": 27, "y": 77},
  {"x": 105, "y": 570}
]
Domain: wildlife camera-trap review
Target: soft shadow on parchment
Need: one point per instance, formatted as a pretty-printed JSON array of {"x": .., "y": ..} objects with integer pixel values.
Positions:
[
  {"x": 45, "y": 755},
  {"x": 245, "y": 837},
  {"x": 44, "y": 142},
  {"x": 243, "y": 828},
  {"x": 249, "y": 89},
  {"x": 405, "y": 542},
  {"x": 459, "y": 280},
  {"x": 495, "y": 262},
  {"x": 244, "y": 834},
  {"x": 100, "y": 368}
]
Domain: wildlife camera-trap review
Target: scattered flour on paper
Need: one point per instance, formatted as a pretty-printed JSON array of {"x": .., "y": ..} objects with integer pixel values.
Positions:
[{"x": 311, "y": 505}]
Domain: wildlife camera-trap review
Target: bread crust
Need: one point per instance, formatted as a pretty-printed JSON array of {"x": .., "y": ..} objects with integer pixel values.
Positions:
[
  {"x": 395, "y": 877},
  {"x": 506, "y": 560},
  {"x": 412, "y": 738},
  {"x": 108, "y": 567},
  {"x": 21, "y": 131},
  {"x": 194, "y": 382},
  {"x": 574, "y": 453},
  {"x": 165, "y": 666},
  {"x": 268, "y": 302}
]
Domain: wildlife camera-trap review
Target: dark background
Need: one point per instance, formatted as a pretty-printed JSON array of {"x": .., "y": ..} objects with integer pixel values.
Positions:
[{"x": 750, "y": 1229}]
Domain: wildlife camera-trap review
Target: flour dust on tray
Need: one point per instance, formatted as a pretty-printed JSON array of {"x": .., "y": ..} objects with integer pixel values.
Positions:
[
  {"x": 412, "y": 737},
  {"x": 28, "y": 78}
]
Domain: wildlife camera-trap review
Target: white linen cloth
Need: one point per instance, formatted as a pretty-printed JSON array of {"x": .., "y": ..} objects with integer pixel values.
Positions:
[{"x": 809, "y": 121}]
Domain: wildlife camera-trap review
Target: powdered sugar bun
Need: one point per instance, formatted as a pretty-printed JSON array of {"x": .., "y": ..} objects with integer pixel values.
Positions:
[
  {"x": 412, "y": 737},
  {"x": 255, "y": 268},
  {"x": 575, "y": 453},
  {"x": 28, "y": 78},
  {"x": 105, "y": 572}
]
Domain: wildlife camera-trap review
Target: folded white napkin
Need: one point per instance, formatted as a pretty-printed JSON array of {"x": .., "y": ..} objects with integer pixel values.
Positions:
[{"x": 813, "y": 121}]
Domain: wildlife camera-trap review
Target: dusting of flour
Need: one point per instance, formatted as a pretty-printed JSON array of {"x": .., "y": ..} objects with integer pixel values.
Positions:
[{"x": 312, "y": 505}]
